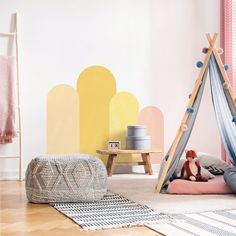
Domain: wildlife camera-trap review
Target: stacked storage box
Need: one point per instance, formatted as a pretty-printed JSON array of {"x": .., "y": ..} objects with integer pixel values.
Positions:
[{"x": 137, "y": 138}]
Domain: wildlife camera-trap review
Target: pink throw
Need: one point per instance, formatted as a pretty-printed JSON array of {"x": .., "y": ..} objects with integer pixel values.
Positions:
[
  {"x": 228, "y": 43},
  {"x": 7, "y": 100}
]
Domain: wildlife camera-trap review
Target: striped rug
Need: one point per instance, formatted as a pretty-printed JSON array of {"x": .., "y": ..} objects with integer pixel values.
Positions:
[
  {"x": 221, "y": 223},
  {"x": 113, "y": 211}
]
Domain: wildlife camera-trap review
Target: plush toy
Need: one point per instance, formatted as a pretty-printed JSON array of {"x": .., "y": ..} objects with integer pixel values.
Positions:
[{"x": 191, "y": 169}]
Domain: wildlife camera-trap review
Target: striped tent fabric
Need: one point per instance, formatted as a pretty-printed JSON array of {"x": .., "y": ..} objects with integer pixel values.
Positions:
[{"x": 225, "y": 110}]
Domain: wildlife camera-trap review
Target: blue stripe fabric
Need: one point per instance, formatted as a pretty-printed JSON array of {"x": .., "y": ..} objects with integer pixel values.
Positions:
[{"x": 224, "y": 110}]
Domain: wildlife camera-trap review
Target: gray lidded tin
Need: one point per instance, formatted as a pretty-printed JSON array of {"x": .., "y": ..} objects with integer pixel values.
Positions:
[
  {"x": 137, "y": 130},
  {"x": 138, "y": 143}
]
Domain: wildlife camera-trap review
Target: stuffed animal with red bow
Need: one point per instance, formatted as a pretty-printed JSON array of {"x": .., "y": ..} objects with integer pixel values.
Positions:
[{"x": 191, "y": 169}]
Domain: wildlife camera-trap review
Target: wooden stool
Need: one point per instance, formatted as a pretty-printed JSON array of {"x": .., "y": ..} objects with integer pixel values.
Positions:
[{"x": 113, "y": 153}]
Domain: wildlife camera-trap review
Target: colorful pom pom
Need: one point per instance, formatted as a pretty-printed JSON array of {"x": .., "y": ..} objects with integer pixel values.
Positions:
[
  {"x": 226, "y": 85},
  {"x": 199, "y": 64},
  {"x": 184, "y": 127},
  {"x": 190, "y": 110},
  {"x": 234, "y": 119},
  {"x": 205, "y": 50},
  {"x": 226, "y": 67},
  {"x": 220, "y": 51}
]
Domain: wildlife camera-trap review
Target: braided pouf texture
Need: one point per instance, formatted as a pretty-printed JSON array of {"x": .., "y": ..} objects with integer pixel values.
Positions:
[{"x": 65, "y": 178}]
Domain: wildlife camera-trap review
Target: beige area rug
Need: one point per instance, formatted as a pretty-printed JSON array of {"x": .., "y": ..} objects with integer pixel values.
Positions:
[{"x": 140, "y": 188}]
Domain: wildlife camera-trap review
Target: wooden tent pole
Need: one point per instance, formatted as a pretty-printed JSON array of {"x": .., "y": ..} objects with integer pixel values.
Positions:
[
  {"x": 186, "y": 115},
  {"x": 222, "y": 70}
]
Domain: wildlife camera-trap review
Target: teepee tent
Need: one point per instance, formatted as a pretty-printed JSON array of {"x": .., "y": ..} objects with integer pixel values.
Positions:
[{"x": 224, "y": 103}]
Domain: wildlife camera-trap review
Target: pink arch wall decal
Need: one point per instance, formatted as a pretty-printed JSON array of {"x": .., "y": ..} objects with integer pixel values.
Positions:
[{"x": 153, "y": 119}]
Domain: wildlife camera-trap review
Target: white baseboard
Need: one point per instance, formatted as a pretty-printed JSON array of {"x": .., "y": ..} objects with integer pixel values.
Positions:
[{"x": 9, "y": 175}]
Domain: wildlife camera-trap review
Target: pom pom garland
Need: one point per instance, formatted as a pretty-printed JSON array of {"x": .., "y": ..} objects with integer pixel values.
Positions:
[
  {"x": 226, "y": 85},
  {"x": 220, "y": 51},
  {"x": 234, "y": 119},
  {"x": 205, "y": 50},
  {"x": 184, "y": 127},
  {"x": 190, "y": 110},
  {"x": 199, "y": 64},
  {"x": 226, "y": 67}
]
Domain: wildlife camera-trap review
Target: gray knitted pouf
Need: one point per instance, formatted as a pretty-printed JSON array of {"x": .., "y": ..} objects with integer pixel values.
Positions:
[{"x": 65, "y": 178}]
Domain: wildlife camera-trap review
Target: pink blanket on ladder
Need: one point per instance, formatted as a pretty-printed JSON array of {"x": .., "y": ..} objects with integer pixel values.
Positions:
[{"x": 7, "y": 100}]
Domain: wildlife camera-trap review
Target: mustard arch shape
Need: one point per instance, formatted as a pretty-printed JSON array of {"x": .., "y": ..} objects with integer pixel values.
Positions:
[
  {"x": 62, "y": 120},
  {"x": 96, "y": 86},
  {"x": 123, "y": 112}
]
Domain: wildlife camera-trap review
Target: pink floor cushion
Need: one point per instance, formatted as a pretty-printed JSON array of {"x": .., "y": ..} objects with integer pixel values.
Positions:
[{"x": 216, "y": 185}]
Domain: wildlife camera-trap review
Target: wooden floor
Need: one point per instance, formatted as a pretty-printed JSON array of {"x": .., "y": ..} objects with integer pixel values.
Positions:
[{"x": 18, "y": 217}]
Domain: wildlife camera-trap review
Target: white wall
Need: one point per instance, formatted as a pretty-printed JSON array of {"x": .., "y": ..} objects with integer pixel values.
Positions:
[{"x": 151, "y": 46}]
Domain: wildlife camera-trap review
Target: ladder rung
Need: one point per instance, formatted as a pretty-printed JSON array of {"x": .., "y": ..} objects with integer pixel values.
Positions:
[
  {"x": 9, "y": 156},
  {"x": 7, "y": 34}
]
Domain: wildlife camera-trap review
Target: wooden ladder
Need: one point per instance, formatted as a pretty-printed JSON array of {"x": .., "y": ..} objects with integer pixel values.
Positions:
[{"x": 19, "y": 131}]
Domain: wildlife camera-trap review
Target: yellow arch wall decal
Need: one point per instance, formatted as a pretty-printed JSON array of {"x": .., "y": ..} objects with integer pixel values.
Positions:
[
  {"x": 96, "y": 86},
  {"x": 153, "y": 119},
  {"x": 123, "y": 112},
  {"x": 62, "y": 120}
]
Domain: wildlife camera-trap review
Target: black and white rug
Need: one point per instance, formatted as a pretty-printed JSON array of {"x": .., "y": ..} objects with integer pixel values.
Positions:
[
  {"x": 113, "y": 211},
  {"x": 221, "y": 223}
]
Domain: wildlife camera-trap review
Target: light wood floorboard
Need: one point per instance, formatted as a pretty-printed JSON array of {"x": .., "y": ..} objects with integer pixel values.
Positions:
[{"x": 18, "y": 217}]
